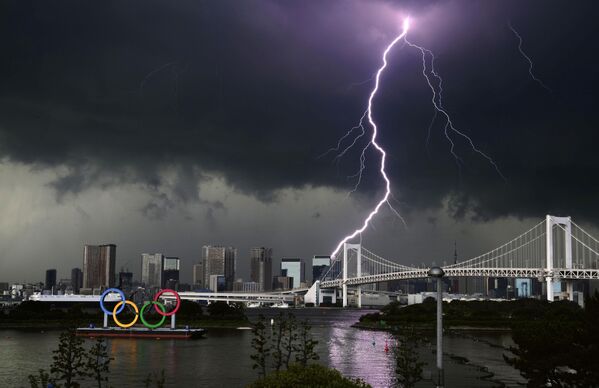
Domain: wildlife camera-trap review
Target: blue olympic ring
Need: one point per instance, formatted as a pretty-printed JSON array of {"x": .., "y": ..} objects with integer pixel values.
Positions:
[{"x": 103, "y": 296}]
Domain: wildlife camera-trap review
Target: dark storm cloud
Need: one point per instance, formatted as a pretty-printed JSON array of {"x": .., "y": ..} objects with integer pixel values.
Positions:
[{"x": 254, "y": 91}]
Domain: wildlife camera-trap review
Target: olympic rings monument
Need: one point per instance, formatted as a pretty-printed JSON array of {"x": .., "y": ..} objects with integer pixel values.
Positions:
[{"x": 148, "y": 330}]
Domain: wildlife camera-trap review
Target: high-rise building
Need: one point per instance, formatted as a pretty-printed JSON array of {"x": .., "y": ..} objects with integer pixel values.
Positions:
[
  {"x": 50, "y": 283},
  {"x": 261, "y": 267},
  {"x": 282, "y": 283},
  {"x": 170, "y": 272},
  {"x": 250, "y": 287},
  {"x": 98, "y": 265},
  {"x": 217, "y": 283},
  {"x": 218, "y": 260},
  {"x": 293, "y": 268},
  {"x": 76, "y": 279},
  {"x": 320, "y": 264},
  {"x": 523, "y": 288},
  {"x": 454, "y": 283},
  {"x": 151, "y": 269},
  {"x": 125, "y": 280},
  {"x": 198, "y": 275}
]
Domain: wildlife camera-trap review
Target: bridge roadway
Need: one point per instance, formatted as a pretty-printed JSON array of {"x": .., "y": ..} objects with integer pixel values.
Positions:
[
  {"x": 231, "y": 297},
  {"x": 420, "y": 273},
  {"x": 273, "y": 297}
]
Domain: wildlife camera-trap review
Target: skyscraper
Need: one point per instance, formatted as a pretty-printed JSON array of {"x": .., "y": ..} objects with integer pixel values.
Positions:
[
  {"x": 98, "y": 265},
  {"x": 170, "y": 272},
  {"x": 293, "y": 268},
  {"x": 261, "y": 267},
  {"x": 320, "y": 264},
  {"x": 50, "y": 283},
  {"x": 198, "y": 275},
  {"x": 151, "y": 269},
  {"x": 76, "y": 279},
  {"x": 125, "y": 280},
  {"x": 218, "y": 260}
]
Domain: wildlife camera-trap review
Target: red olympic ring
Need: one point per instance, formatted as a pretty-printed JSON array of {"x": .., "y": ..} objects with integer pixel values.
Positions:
[{"x": 176, "y": 308}]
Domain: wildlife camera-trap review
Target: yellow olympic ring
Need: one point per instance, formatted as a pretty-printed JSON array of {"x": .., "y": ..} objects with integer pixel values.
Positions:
[{"x": 116, "y": 320}]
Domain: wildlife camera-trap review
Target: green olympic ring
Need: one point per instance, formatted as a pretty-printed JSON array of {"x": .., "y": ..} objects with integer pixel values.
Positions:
[{"x": 144, "y": 307}]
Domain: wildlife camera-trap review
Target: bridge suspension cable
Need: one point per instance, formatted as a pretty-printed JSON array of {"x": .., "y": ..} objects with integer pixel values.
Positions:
[
  {"x": 524, "y": 251},
  {"x": 555, "y": 248}
]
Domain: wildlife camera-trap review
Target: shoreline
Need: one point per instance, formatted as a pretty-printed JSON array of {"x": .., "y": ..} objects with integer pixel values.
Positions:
[
  {"x": 457, "y": 328},
  {"x": 53, "y": 326}
]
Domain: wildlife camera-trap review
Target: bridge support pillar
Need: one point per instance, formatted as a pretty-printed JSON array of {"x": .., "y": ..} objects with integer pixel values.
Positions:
[
  {"x": 344, "y": 295},
  {"x": 565, "y": 223},
  {"x": 344, "y": 274},
  {"x": 549, "y": 282},
  {"x": 359, "y": 273},
  {"x": 105, "y": 320},
  {"x": 173, "y": 322},
  {"x": 549, "y": 247},
  {"x": 570, "y": 290},
  {"x": 359, "y": 291}
]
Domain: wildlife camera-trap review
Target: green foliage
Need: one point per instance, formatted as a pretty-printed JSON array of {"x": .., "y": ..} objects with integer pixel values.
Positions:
[
  {"x": 41, "y": 380},
  {"x": 98, "y": 361},
  {"x": 69, "y": 360},
  {"x": 558, "y": 344},
  {"x": 33, "y": 313},
  {"x": 314, "y": 375},
  {"x": 224, "y": 310},
  {"x": 290, "y": 338},
  {"x": 189, "y": 310},
  {"x": 392, "y": 309},
  {"x": 275, "y": 345},
  {"x": 372, "y": 317},
  {"x": 306, "y": 345},
  {"x": 474, "y": 313},
  {"x": 278, "y": 331},
  {"x": 260, "y": 345},
  {"x": 408, "y": 367},
  {"x": 72, "y": 365}
]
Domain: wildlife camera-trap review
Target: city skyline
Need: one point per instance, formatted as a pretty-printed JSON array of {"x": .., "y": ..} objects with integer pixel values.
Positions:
[
  {"x": 156, "y": 273},
  {"x": 358, "y": 193},
  {"x": 247, "y": 169}
]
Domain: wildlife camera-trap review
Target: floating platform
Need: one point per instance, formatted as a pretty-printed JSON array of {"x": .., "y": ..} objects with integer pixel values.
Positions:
[{"x": 140, "y": 332}]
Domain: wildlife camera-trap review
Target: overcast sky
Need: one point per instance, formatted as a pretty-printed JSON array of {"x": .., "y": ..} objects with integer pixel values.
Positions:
[{"x": 163, "y": 126}]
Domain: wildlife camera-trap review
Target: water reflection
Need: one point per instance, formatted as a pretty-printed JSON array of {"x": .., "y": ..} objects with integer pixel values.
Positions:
[
  {"x": 359, "y": 353},
  {"x": 222, "y": 359}
]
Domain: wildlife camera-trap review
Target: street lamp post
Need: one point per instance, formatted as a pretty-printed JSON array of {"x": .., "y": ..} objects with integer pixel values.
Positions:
[{"x": 437, "y": 272}]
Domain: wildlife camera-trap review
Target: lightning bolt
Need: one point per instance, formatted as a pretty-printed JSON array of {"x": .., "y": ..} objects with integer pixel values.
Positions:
[
  {"x": 530, "y": 64},
  {"x": 373, "y": 142},
  {"x": 436, "y": 100}
]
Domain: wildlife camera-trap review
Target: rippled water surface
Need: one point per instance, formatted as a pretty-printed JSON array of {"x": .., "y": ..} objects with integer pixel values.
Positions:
[{"x": 222, "y": 359}]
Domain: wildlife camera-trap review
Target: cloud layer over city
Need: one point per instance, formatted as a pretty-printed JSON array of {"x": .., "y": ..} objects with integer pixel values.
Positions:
[{"x": 168, "y": 125}]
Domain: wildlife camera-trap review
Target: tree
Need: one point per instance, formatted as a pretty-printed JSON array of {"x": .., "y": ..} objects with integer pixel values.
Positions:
[
  {"x": 189, "y": 310},
  {"x": 408, "y": 368},
  {"x": 41, "y": 380},
  {"x": 311, "y": 376},
  {"x": 98, "y": 361},
  {"x": 290, "y": 339},
  {"x": 278, "y": 330},
  {"x": 226, "y": 310},
  {"x": 306, "y": 345},
  {"x": 564, "y": 326},
  {"x": 260, "y": 345},
  {"x": 69, "y": 360}
]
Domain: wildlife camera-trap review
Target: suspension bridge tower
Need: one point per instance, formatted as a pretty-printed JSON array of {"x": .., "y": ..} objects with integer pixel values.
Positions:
[{"x": 554, "y": 252}]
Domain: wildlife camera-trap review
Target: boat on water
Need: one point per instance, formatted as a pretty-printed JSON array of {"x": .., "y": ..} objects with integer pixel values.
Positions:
[
  {"x": 140, "y": 332},
  {"x": 280, "y": 305},
  {"x": 253, "y": 305}
]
